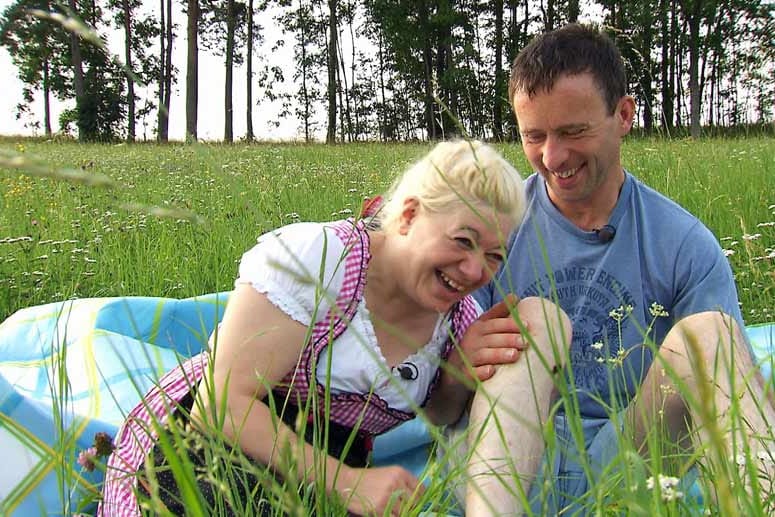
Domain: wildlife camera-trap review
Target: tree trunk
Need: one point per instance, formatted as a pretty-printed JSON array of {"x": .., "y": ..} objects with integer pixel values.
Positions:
[
  {"x": 332, "y": 66},
  {"x": 192, "y": 70},
  {"x": 343, "y": 89},
  {"x": 249, "y": 86},
  {"x": 548, "y": 15},
  {"x": 675, "y": 58},
  {"x": 78, "y": 85},
  {"x": 382, "y": 112},
  {"x": 357, "y": 127},
  {"x": 427, "y": 67},
  {"x": 162, "y": 123},
  {"x": 694, "y": 70},
  {"x": 613, "y": 19},
  {"x": 304, "y": 93},
  {"x": 430, "y": 120},
  {"x": 168, "y": 72},
  {"x": 665, "y": 68},
  {"x": 573, "y": 11},
  {"x": 500, "y": 91},
  {"x": 130, "y": 84},
  {"x": 46, "y": 98},
  {"x": 228, "y": 112},
  {"x": 647, "y": 76}
]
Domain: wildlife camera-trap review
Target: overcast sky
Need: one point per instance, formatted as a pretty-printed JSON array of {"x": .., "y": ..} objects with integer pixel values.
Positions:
[{"x": 211, "y": 87}]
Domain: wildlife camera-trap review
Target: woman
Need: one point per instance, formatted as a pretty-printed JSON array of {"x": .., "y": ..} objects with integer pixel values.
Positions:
[{"x": 346, "y": 323}]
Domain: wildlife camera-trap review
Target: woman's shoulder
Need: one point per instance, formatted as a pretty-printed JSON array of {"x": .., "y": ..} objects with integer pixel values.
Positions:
[
  {"x": 304, "y": 243},
  {"x": 292, "y": 264}
]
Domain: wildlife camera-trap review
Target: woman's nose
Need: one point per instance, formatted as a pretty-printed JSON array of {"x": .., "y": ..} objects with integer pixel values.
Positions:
[{"x": 472, "y": 268}]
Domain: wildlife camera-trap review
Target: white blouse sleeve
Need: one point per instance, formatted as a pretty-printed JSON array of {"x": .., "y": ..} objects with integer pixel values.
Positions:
[{"x": 299, "y": 267}]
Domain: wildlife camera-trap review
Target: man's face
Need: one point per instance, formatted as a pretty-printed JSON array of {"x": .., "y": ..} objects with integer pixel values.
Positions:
[{"x": 570, "y": 138}]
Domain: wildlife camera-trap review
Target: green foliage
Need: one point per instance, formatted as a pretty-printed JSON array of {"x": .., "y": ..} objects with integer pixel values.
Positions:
[
  {"x": 39, "y": 49},
  {"x": 244, "y": 190}
]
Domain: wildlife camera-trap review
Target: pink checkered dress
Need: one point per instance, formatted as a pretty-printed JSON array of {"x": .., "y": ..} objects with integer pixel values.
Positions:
[{"x": 367, "y": 412}]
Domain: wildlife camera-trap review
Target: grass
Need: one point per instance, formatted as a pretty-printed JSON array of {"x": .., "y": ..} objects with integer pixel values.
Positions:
[{"x": 175, "y": 220}]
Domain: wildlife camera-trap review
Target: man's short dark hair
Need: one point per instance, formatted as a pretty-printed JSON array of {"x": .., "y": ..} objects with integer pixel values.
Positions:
[{"x": 571, "y": 50}]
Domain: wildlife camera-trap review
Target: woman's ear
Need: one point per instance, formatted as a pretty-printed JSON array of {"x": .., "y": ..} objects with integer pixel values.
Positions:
[{"x": 409, "y": 212}]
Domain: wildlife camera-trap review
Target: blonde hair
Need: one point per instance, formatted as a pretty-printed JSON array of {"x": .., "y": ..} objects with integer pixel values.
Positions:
[{"x": 456, "y": 173}]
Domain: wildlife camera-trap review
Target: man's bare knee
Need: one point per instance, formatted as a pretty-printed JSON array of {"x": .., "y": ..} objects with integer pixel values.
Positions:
[
  {"x": 546, "y": 319},
  {"x": 704, "y": 340},
  {"x": 707, "y": 322}
]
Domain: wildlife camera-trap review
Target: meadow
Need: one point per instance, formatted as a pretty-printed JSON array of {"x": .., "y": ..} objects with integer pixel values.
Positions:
[
  {"x": 175, "y": 219},
  {"x": 82, "y": 220}
]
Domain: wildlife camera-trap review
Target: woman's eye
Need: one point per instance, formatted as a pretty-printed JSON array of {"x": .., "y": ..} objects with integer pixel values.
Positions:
[{"x": 495, "y": 257}]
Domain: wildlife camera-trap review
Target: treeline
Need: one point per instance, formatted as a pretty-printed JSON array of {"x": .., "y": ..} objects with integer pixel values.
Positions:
[{"x": 381, "y": 69}]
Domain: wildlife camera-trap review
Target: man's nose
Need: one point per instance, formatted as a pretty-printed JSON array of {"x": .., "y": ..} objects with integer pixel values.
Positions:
[{"x": 554, "y": 153}]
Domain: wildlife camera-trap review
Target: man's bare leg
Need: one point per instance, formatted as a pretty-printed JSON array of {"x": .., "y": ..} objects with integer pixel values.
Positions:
[
  {"x": 704, "y": 363},
  {"x": 508, "y": 413}
]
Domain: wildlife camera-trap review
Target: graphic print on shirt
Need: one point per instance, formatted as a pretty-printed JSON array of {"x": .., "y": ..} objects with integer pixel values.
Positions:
[{"x": 598, "y": 304}]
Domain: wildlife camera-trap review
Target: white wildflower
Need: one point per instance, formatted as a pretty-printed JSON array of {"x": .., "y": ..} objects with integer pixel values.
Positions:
[
  {"x": 667, "y": 487},
  {"x": 658, "y": 311}
]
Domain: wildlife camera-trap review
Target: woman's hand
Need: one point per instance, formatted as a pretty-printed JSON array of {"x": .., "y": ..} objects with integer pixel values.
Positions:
[
  {"x": 493, "y": 339},
  {"x": 380, "y": 490}
]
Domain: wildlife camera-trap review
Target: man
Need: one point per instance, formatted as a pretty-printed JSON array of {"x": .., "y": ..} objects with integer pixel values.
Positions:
[{"x": 629, "y": 267}]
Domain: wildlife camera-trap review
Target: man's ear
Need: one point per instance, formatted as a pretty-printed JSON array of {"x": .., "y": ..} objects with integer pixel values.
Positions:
[
  {"x": 409, "y": 213},
  {"x": 625, "y": 111}
]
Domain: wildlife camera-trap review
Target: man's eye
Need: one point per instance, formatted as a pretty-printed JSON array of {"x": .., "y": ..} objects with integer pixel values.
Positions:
[
  {"x": 532, "y": 138},
  {"x": 495, "y": 257},
  {"x": 465, "y": 242}
]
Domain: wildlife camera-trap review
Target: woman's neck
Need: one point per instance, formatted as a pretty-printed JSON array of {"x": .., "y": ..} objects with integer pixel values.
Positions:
[{"x": 385, "y": 295}]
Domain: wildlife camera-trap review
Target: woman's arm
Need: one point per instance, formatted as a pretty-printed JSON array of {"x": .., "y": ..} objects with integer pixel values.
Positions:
[
  {"x": 491, "y": 340},
  {"x": 257, "y": 346}
]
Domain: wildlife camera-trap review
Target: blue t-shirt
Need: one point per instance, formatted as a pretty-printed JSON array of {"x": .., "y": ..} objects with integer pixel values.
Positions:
[{"x": 661, "y": 265}]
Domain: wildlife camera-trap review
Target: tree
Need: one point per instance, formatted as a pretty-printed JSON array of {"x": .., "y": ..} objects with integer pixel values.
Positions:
[
  {"x": 500, "y": 90},
  {"x": 166, "y": 70},
  {"x": 139, "y": 65},
  {"x": 410, "y": 33},
  {"x": 127, "y": 8},
  {"x": 228, "y": 107},
  {"x": 192, "y": 70},
  {"x": 249, "y": 82},
  {"x": 308, "y": 30},
  {"x": 333, "y": 62},
  {"x": 221, "y": 29},
  {"x": 77, "y": 63},
  {"x": 695, "y": 11},
  {"x": 40, "y": 53},
  {"x": 667, "y": 76},
  {"x": 97, "y": 81}
]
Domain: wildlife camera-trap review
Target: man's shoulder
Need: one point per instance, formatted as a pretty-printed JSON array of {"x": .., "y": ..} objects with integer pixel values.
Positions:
[
  {"x": 659, "y": 208},
  {"x": 664, "y": 220}
]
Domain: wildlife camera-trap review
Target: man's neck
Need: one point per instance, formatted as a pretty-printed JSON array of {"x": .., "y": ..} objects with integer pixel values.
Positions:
[{"x": 595, "y": 211}]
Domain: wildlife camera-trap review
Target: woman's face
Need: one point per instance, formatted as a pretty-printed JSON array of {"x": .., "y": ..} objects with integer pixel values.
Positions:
[{"x": 450, "y": 254}]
